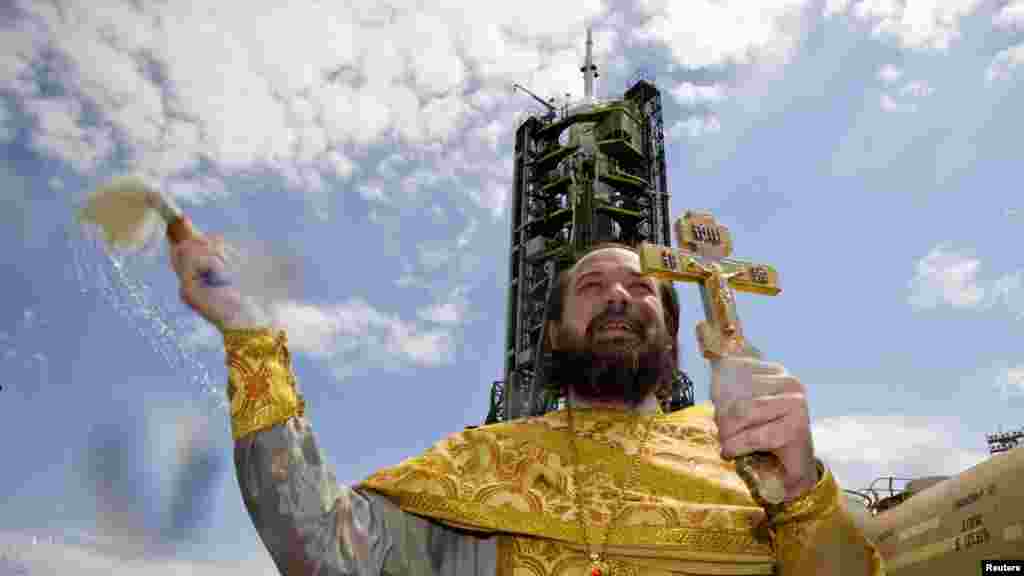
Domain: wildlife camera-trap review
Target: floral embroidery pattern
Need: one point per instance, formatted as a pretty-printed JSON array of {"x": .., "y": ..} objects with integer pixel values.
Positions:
[
  {"x": 261, "y": 386},
  {"x": 518, "y": 477}
]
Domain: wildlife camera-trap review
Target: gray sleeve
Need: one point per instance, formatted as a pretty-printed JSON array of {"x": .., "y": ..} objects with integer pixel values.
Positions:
[
  {"x": 420, "y": 546},
  {"x": 312, "y": 526},
  {"x": 309, "y": 523}
]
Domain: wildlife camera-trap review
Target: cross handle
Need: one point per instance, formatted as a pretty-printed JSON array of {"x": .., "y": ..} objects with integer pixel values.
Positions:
[{"x": 703, "y": 258}]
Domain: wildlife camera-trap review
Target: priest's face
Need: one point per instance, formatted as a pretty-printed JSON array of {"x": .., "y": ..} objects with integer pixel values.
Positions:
[{"x": 612, "y": 344}]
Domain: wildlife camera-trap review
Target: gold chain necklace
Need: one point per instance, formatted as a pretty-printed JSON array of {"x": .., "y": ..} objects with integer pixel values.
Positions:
[{"x": 598, "y": 565}]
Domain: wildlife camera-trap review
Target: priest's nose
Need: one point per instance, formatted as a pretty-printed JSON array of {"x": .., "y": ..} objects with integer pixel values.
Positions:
[
  {"x": 618, "y": 294},
  {"x": 617, "y": 304}
]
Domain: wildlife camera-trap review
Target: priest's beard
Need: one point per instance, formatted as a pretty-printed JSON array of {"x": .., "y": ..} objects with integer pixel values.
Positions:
[{"x": 613, "y": 369}]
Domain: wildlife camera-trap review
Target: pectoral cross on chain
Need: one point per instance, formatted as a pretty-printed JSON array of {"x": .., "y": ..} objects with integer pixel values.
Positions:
[{"x": 703, "y": 258}]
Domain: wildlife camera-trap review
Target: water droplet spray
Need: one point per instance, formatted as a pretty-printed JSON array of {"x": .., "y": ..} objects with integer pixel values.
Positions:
[{"x": 130, "y": 215}]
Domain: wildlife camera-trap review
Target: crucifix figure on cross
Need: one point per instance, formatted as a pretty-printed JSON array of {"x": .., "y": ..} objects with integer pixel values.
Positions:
[{"x": 703, "y": 258}]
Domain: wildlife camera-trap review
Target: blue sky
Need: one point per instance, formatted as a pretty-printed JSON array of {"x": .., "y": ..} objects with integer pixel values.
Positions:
[{"x": 868, "y": 150}]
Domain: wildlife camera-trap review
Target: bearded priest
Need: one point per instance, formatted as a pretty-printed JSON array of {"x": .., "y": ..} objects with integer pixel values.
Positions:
[{"x": 607, "y": 486}]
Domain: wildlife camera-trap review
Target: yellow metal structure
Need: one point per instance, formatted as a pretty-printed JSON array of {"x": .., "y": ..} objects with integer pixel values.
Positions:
[{"x": 953, "y": 526}]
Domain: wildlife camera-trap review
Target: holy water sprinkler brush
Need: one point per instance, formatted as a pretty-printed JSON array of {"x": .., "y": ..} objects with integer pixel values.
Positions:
[
  {"x": 125, "y": 209},
  {"x": 129, "y": 212}
]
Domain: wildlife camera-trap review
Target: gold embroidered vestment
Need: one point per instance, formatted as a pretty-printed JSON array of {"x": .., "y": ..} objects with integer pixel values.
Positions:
[{"x": 688, "y": 512}]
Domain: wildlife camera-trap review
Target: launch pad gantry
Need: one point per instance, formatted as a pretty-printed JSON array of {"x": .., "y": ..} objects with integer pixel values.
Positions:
[{"x": 593, "y": 173}]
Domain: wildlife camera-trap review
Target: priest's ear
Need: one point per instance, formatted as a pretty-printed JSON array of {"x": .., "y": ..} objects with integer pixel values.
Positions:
[
  {"x": 553, "y": 311},
  {"x": 551, "y": 335}
]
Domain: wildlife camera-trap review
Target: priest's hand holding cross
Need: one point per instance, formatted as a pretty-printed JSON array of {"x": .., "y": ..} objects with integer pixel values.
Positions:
[
  {"x": 772, "y": 418},
  {"x": 760, "y": 409}
]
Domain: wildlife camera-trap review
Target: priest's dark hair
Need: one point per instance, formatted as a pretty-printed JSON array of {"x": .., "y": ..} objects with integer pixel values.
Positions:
[{"x": 556, "y": 305}]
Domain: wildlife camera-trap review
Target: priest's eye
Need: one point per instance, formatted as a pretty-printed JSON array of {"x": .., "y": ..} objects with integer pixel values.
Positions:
[{"x": 644, "y": 286}]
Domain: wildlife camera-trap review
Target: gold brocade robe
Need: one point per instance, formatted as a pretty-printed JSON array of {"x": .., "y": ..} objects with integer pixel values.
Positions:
[
  {"x": 688, "y": 512},
  {"x": 685, "y": 512}
]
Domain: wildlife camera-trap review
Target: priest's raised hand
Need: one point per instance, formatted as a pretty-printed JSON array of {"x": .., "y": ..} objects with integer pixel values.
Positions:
[{"x": 205, "y": 286}]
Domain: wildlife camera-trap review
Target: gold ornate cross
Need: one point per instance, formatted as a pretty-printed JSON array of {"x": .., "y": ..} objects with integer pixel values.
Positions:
[{"x": 703, "y": 258}]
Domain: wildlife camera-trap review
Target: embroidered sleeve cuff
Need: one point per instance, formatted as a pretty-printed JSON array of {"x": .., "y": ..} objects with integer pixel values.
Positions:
[
  {"x": 818, "y": 502},
  {"x": 261, "y": 386}
]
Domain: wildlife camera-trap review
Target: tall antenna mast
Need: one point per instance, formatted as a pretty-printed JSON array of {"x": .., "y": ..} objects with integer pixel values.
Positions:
[{"x": 589, "y": 70}]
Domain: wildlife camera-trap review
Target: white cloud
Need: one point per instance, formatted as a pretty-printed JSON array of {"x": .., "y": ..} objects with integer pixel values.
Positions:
[
  {"x": 708, "y": 33},
  {"x": 446, "y": 313},
  {"x": 1008, "y": 291},
  {"x": 946, "y": 277},
  {"x": 909, "y": 91},
  {"x": 1011, "y": 382},
  {"x": 18, "y": 48},
  {"x": 169, "y": 90},
  {"x": 492, "y": 194},
  {"x": 356, "y": 338},
  {"x": 887, "y": 103},
  {"x": 373, "y": 191},
  {"x": 889, "y": 74},
  {"x": 340, "y": 165},
  {"x": 408, "y": 278},
  {"x": 917, "y": 89},
  {"x": 195, "y": 190},
  {"x": 53, "y": 555},
  {"x": 492, "y": 132},
  {"x": 1010, "y": 16},
  {"x": 1003, "y": 63},
  {"x": 466, "y": 236},
  {"x": 694, "y": 126},
  {"x": 689, "y": 94},
  {"x": 862, "y": 447},
  {"x": 835, "y": 7},
  {"x": 433, "y": 258},
  {"x": 62, "y": 132},
  {"x": 914, "y": 24},
  {"x": 388, "y": 167},
  {"x": 451, "y": 311}
]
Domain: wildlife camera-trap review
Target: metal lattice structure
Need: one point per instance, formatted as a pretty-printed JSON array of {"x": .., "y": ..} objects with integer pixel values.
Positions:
[{"x": 594, "y": 173}]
